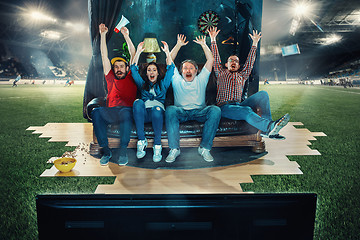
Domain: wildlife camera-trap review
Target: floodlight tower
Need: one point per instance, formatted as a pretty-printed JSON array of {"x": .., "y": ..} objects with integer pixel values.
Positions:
[{"x": 302, "y": 10}]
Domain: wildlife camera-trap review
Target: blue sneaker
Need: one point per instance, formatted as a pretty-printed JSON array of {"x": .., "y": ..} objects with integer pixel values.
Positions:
[
  {"x": 279, "y": 124},
  {"x": 105, "y": 159},
  {"x": 123, "y": 158},
  {"x": 276, "y": 127}
]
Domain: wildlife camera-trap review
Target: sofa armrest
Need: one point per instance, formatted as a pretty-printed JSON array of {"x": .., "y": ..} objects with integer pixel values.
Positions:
[{"x": 94, "y": 103}]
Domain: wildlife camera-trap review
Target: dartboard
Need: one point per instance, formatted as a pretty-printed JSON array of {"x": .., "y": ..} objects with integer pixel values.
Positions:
[{"x": 206, "y": 20}]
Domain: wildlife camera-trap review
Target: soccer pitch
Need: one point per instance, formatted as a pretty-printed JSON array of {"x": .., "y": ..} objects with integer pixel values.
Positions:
[{"x": 334, "y": 175}]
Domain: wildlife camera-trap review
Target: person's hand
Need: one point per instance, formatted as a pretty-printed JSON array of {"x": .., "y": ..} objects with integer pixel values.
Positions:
[
  {"x": 165, "y": 48},
  {"x": 255, "y": 37},
  {"x": 213, "y": 32},
  {"x": 140, "y": 47},
  {"x": 103, "y": 29},
  {"x": 181, "y": 40},
  {"x": 201, "y": 40},
  {"x": 124, "y": 31}
]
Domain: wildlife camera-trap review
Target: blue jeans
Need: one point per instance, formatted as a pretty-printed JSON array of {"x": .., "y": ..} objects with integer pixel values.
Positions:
[
  {"x": 175, "y": 115},
  {"x": 142, "y": 115},
  {"x": 244, "y": 111},
  {"x": 103, "y": 116}
]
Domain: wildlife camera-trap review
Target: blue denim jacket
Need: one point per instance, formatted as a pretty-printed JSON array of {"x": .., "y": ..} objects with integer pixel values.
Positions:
[{"x": 160, "y": 92}]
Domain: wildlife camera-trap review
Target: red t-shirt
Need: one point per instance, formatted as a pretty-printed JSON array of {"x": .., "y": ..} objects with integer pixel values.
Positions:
[{"x": 121, "y": 92}]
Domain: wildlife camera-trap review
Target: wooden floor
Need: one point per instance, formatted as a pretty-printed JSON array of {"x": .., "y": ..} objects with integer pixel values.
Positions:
[{"x": 133, "y": 180}]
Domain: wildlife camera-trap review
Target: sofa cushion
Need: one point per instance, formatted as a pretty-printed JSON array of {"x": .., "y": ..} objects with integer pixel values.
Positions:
[{"x": 227, "y": 127}]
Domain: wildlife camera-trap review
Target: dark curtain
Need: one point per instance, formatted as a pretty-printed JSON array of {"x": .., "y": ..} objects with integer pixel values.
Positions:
[
  {"x": 237, "y": 19},
  {"x": 251, "y": 12},
  {"x": 107, "y": 12},
  {"x": 245, "y": 11}
]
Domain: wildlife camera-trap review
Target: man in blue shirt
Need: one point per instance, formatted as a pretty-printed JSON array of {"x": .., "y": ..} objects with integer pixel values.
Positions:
[{"x": 18, "y": 78}]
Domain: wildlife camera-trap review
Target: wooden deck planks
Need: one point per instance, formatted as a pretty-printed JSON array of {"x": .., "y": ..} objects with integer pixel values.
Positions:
[{"x": 165, "y": 181}]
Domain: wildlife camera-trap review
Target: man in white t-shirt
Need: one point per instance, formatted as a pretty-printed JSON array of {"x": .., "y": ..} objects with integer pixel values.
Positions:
[{"x": 189, "y": 104}]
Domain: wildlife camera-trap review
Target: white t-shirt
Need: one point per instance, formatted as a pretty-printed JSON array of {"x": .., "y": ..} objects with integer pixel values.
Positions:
[{"x": 190, "y": 95}]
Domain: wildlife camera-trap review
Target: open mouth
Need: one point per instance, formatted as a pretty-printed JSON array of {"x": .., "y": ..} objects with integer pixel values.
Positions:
[
  {"x": 120, "y": 75},
  {"x": 188, "y": 75},
  {"x": 152, "y": 78}
]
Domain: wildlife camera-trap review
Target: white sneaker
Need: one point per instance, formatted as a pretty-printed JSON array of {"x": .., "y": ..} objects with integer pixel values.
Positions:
[
  {"x": 157, "y": 153},
  {"x": 173, "y": 154},
  {"x": 205, "y": 153},
  {"x": 141, "y": 146}
]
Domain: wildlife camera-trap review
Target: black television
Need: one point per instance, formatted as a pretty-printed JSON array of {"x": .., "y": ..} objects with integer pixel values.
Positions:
[{"x": 176, "y": 216}]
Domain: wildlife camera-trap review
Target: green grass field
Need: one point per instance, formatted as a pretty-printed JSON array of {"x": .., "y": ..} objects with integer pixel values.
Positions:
[{"x": 334, "y": 175}]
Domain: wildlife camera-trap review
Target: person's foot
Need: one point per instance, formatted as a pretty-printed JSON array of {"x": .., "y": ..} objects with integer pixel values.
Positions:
[
  {"x": 276, "y": 127},
  {"x": 274, "y": 137},
  {"x": 173, "y": 154},
  {"x": 157, "y": 153},
  {"x": 205, "y": 153},
  {"x": 123, "y": 158},
  {"x": 141, "y": 146},
  {"x": 105, "y": 159}
]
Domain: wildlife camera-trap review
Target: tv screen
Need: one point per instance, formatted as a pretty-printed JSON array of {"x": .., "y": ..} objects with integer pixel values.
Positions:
[
  {"x": 290, "y": 50},
  {"x": 194, "y": 216}
]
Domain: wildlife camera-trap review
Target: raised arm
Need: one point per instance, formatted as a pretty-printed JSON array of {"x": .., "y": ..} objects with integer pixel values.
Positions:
[
  {"x": 255, "y": 37},
  {"x": 165, "y": 49},
  {"x": 209, "y": 57},
  {"x": 103, "y": 49},
  {"x": 249, "y": 63},
  {"x": 125, "y": 33},
  {"x": 181, "y": 41},
  {"x": 134, "y": 68},
  {"x": 170, "y": 66},
  {"x": 135, "y": 58},
  {"x": 213, "y": 32}
]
